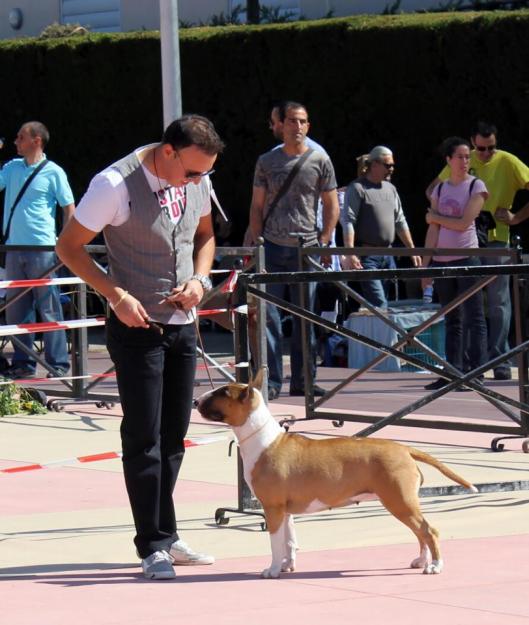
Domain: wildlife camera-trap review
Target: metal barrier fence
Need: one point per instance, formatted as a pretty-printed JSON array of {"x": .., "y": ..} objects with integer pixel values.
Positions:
[
  {"x": 484, "y": 275},
  {"x": 81, "y": 386},
  {"x": 252, "y": 285}
]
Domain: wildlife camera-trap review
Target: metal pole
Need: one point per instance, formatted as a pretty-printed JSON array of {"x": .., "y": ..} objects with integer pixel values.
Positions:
[
  {"x": 253, "y": 11},
  {"x": 171, "y": 87},
  {"x": 79, "y": 339}
]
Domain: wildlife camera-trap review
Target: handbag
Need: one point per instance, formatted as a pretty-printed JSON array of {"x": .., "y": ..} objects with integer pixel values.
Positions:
[
  {"x": 484, "y": 222},
  {"x": 5, "y": 235}
]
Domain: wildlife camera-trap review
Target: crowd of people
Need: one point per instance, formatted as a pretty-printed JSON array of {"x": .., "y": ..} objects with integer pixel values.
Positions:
[
  {"x": 153, "y": 208},
  {"x": 470, "y": 206}
]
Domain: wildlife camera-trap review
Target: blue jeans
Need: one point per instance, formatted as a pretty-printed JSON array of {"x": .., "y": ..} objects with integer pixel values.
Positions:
[
  {"x": 282, "y": 258},
  {"x": 45, "y": 300},
  {"x": 498, "y": 306},
  {"x": 465, "y": 325},
  {"x": 155, "y": 375},
  {"x": 375, "y": 291}
]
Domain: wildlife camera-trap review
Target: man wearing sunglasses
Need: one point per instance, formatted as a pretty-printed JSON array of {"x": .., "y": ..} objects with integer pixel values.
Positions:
[
  {"x": 154, "y": 210},
  {"x": 504, "y": 175},
  {"x": 371, "y": 217}
]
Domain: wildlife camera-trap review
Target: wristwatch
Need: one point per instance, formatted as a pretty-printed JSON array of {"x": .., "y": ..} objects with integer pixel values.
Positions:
[{"x": 204, "y": 281}]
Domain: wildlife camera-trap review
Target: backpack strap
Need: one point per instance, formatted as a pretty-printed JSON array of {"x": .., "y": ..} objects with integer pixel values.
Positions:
[{"x": 440, "y": 186}]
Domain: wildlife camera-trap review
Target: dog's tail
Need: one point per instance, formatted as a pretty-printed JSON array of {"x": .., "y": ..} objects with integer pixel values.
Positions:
[{"x": 421, "y": 456}]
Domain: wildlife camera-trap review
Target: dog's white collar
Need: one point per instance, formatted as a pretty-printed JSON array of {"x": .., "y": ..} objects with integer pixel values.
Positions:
[
  {"x": 241, "y": 441},
  {"x": 260, "y": 426}
]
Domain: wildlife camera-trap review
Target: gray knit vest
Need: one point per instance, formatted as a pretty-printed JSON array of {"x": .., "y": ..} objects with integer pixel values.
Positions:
[{"x": 148, "y": 255}]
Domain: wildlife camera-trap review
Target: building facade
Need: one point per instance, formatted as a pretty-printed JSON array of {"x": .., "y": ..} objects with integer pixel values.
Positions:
[{"x": 27, "y": 18}]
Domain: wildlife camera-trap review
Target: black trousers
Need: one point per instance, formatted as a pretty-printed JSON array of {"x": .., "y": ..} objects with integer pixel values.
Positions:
[
  {"x": 155, "y": 374},
  {"x": 466, "y": 328}
]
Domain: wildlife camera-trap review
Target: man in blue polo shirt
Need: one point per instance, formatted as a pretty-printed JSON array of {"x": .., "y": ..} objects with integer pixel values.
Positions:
[{"x": 33, "y": 223}]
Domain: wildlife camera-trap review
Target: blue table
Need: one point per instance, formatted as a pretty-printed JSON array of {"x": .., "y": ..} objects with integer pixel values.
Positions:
[{"x": 371, "y": 326}]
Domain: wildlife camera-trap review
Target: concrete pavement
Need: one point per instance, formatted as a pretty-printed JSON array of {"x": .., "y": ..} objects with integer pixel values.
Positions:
[{"x": 66, "y": 552}]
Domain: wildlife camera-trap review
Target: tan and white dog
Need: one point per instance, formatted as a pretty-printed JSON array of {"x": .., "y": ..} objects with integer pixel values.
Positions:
[{"x": 292, "y": 474}]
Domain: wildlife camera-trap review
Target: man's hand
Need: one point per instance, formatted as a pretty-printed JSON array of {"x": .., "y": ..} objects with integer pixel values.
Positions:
[
  {"x": 350, "y": 262},
  {"x": 187, "y": 295},
  {"x": 249, "y": 239},
  {"x": 326, "y": 259},
  {"x": 505, "y": 216},
  {"x": 417, "y": 261},
  {"x": 129, "y": 310}
]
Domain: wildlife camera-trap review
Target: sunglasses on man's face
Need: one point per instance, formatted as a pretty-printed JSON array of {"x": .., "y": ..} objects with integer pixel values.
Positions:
[
  {"x": 388, "y": 165},
  {"x": 485, "y": 148},
  {"x": 192, "y": 175}
]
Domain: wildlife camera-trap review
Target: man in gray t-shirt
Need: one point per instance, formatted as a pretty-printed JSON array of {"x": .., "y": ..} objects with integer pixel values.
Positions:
[
  {"x": 371, "y": 216},
  {"x": 293, "y": 215},
  {"x": 296, "y": 211}
]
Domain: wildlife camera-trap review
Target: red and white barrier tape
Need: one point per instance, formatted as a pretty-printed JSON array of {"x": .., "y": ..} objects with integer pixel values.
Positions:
[
  {"x": 36, "y": 282},
  {"x": 218, "y": 271},
  {"x": 231, "y": 282},
  {"x": 109, "y": 455},
  {"x": 75, "y": 324},
  {"x": 48, "y": 326},
  {"x": 93, "y": 376},
  {"x": 242, "y": 310},
  {"x": 24, "y": 284}
]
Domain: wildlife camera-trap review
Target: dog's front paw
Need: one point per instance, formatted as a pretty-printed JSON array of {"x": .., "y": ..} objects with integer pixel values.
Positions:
[
  {"x": 288, "y": 565},
  {"x": 434, "y": 568},
  {"x": 271, "y": 573}
]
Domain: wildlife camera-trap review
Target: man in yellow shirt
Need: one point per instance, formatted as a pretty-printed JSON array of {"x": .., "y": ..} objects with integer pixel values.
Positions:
[{"x": 503, "y": 174}]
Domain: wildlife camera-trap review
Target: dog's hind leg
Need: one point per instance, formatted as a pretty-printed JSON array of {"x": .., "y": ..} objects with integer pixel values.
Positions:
[
  {"x": 276, "y": 521},
  {"x": 291, "y": 546},
  {"x": 430, "y": 536},
  {"x": 424, "y": 558},
  {"x": 408, "y": 511}
]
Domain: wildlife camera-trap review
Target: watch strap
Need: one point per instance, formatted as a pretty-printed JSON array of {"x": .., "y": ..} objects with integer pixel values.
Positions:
[{"x": 204, "y": 281}]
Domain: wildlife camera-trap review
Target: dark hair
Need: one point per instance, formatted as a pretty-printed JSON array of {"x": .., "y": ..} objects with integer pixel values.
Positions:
[
  {"x": 289, "y": 104},
  {"x": 362, "y": 165},
  {"x": 449, "y": 146},
  {"x": 276, "y": 104},
  {"x": 484, "y": 129},
  {"x": 38, "y": 129},
  {"x": 193, "y": 130}
]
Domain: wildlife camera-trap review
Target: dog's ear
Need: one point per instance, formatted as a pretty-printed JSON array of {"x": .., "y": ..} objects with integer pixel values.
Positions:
[
  {"x": 245, "y": 394},
  {"x": 257, "y": 381}
]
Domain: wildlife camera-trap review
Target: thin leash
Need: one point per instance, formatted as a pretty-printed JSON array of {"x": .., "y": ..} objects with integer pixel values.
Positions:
[
  {"x": 159, "y": 328},
  {"x": 199, "y": 336}
]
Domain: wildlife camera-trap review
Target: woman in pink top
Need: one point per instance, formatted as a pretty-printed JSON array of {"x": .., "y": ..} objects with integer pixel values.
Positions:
[{"x": 455, "y": 204}]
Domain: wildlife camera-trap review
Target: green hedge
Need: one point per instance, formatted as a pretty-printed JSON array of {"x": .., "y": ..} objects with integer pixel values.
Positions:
[{"x": 407, "y": 81}]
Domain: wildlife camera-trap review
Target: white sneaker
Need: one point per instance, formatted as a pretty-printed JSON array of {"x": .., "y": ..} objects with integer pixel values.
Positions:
[
  {"x": 158, "y": 565},
  {"x": 183, "y": 555}
]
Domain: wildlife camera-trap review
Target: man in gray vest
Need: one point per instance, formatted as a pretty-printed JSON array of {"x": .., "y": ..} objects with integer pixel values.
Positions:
[{"x": 160, "y": 243}]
